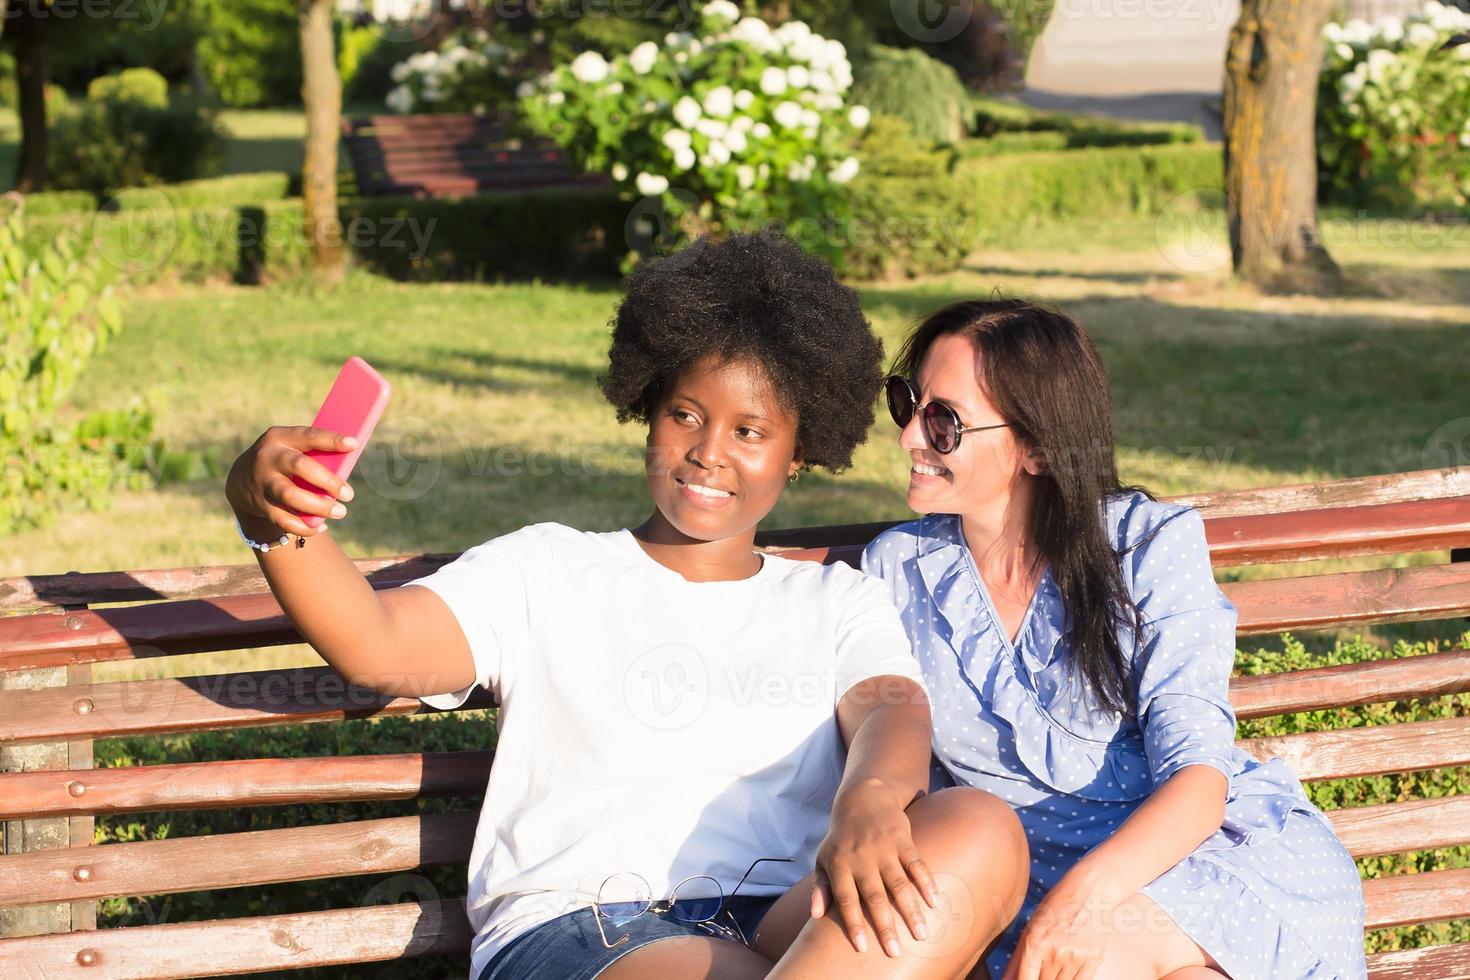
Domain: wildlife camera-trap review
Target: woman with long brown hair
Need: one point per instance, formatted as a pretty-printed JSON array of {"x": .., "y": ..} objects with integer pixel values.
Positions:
[{"x": 1077, "y": 653}]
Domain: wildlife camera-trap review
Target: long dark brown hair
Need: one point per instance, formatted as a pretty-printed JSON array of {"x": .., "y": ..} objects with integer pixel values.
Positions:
[{"x": 1044, "y": 375}]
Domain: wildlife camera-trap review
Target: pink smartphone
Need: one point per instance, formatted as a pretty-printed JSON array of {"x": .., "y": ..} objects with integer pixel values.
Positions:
[{"x": 353, "y": 407}]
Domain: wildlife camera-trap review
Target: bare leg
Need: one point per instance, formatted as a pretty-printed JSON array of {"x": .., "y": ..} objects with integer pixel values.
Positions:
[
  {"x": 689, "y": 958},
  {"x": 1147, "y": 944},
  {"x": 975, "y": 846}
]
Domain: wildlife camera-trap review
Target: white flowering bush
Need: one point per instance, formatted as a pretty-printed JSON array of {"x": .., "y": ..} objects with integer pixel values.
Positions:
[
  {"x": 467, "y": 73},
  {"x": 753, "y": 122},
  {"x": 1393, "y": 109}
]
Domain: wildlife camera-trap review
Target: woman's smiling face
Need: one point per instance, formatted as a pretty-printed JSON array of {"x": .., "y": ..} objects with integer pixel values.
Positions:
[
  {"x": 721, "y": 447},
  {"x": 985, "y": 464}
]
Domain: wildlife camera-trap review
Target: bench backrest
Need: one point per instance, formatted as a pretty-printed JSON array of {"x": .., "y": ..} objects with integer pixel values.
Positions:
[
  {"x": 49, "y": 637},
  {"x": 452, "y": 155}
]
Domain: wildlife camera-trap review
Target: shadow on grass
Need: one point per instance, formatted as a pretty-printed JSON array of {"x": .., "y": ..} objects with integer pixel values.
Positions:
[
  {"x": 480, "y": 369},
  {"x": 1290, "y": 391},
  {"x": 1120, "y": 278}
]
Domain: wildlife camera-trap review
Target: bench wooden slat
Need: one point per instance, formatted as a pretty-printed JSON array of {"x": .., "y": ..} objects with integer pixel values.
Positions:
[
  {"x": 258, "y": 857},
  {"x": 1396, "y": 528},
  {"x": 1340, "y": 532},
  {"x": 1388, "y": 828},
  {"x": 377, "y": 933},
  {"x": 313, "y": 694},
  {"x": 1409, "y": 899},
  {"x": 250, "y": 699},
  {"x": 1370, "y": 751},
  {"x": 242, "y": 782},
  {"x": 1380, "y": 595},
  {"x": 226, "y": 947},
  {"x": 1426, "y": 963},
  {"x": 1387, "y": 488},
  {"x": 48, "y": 594},
  {"x": 1393, "y": 828},
  {"x": 1345, "y": 685},
  {"x": 1309, "y": 602},
  {"x": 453, "y": 151}
]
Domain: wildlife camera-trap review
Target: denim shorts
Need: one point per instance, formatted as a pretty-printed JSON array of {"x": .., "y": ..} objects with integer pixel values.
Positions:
[{"x": 569, "y": 947}]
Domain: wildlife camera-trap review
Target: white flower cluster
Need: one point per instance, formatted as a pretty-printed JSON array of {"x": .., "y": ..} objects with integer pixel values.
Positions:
[
  {"x": 1386, "y": 53},
  {"x": 1394, "y": 75},
  {"x": 443, "y": 78},
  {"x": 780, "y": 114}
]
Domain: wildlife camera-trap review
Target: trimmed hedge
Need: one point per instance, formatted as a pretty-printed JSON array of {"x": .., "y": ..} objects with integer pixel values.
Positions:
[
  {"x": 229, "y": 191},
  {"x": 1035, "y": 188},
  {"x": 549, "y": 233},
  {"x": 990, "y": 117},
  {"x": 1050, "y": 140},
  {"x": 917, "y": 216},
  {"x": 59, "y": 202}
]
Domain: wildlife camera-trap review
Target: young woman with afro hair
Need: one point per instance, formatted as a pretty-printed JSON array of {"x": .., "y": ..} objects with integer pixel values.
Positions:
[{"x": 710, "y": 762}]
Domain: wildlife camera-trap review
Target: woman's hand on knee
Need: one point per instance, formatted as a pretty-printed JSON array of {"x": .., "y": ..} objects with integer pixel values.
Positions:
[{"x": 868, "y": 860}]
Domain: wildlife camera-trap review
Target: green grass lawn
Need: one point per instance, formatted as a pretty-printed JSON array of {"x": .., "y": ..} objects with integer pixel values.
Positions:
[{"x": 496, "y": 420}]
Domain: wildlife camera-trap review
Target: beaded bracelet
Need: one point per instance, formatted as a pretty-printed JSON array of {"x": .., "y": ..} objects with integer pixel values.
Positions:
[{"x": 267, "y": 546}]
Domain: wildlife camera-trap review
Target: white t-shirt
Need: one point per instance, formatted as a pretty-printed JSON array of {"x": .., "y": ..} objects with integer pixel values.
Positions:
[{"x": 651, "y": 724}]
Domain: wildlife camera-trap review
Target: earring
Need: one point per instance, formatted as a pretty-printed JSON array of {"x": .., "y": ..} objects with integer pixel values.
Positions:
[{"x": 794, "y": 477}]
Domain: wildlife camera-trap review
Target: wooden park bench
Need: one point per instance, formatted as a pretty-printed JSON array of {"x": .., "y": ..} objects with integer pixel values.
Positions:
[
  {"x": 452, "y": 155},
  {"x": 50, "y": 637}
]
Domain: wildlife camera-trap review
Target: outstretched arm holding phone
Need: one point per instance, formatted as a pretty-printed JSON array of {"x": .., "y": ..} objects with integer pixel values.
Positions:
[{"x": 361, "y": 632}]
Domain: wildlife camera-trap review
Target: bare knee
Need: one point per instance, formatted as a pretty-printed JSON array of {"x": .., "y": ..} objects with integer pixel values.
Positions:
[{"x": 976, "y": 836}]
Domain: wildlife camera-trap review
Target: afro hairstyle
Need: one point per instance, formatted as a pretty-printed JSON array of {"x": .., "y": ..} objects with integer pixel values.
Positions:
[{"x": 751, "y": 297}]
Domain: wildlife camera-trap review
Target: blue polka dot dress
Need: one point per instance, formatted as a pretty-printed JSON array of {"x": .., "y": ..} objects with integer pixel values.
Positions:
[{"x": 1272, "y": 894}]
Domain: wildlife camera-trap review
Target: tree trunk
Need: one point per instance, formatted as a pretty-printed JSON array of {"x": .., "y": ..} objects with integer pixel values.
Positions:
[
  {"x": 321, "y": 92},
  {"x": 27, "y": 31},
  {"x": 1271, "y": 69}
]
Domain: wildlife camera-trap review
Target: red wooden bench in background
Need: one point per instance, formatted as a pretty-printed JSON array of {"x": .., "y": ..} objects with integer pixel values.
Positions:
[
  {"x": 452, "y": 155},
  {"x": 49, "y": 638}
]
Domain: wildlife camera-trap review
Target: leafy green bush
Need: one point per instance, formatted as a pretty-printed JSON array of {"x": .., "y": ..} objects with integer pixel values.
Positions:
[
  {"x": 57, "y": 308},
  {"x": 910, "y": 215},
  {"x": 354, "y": 46},
  {"x": 924, "y": 92},
  {"x": 107, "y": 144},
  {"x": 1393, "y": 111},
  {"x": 1021, "y": 189},
  {"x": 250, "y": 53},
  {"x": 467, "y": 72},
  {"x": 227, "y": 191},
  {"x": 142, "y": 86},
  {"x": 370, "y": 79},
  {"x": 739, "y": 125}
]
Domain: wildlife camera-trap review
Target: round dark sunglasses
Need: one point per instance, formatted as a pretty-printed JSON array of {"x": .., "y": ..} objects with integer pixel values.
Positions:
[{"x": 940, "y": 423}]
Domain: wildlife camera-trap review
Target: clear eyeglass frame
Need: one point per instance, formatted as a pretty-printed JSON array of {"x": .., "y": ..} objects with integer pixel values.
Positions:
[{"x": 603, "y": 909}]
